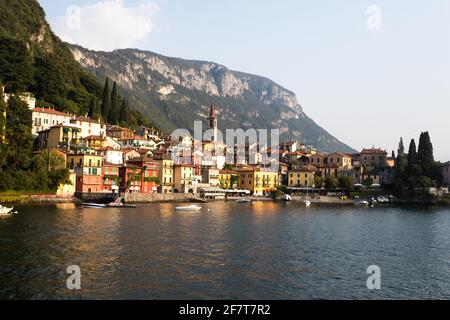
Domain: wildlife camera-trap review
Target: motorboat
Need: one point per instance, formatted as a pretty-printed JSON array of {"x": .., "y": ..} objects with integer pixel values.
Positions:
[
  {"x": 243, "y": 200},
  {"x": 383, "y": 199},
  {"x": 5, "y": 211},
  {"x": 189, "y": 208},
  {"x": 362, "y": 203},
  {"x": 287, "y": 198},
  {"x": 94, "y": 205},
  {"x": 307, "y": 203}
]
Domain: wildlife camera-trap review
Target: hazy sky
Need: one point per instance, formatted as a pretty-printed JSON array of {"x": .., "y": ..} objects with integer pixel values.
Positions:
[{"x": 367, "y": 74}]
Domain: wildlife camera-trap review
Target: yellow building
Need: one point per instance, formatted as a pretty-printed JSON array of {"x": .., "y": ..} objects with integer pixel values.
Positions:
[
  {"x": 302, "y": 178},
  {"x": 166, "y": 175},
  {"x": 182, "y": 178},
  {"x": 258, "y": 181},
  {"x": 60, "y": 135},
  {"x": 229, "y": 179},
  {"x": 342, "y": 161}
]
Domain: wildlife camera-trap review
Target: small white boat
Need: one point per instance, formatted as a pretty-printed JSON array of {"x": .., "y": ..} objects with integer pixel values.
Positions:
[
  {"x": 362, "y": 203},
  {"x": 287, "y": 198},
  {"x": 189, "y": 208},
  {"x": 94, "y": 205},
  {"x": 307, "y": 203},
  {"x": 243, "y": 201},
  {"x": 5, "y": 211}
]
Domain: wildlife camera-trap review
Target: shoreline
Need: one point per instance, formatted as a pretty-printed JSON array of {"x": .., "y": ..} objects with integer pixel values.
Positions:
[{"x": 180, "y": 198}]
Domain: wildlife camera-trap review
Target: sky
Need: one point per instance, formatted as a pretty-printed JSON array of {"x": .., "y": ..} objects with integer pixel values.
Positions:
[{"x": 369, "y": 72}]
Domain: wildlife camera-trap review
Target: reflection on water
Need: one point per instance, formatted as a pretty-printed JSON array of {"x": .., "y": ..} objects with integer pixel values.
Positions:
[{"x": 227, "y": 251}]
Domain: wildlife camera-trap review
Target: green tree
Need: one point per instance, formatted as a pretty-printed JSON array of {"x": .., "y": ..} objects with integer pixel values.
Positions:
[
  {"x": 114, "y": 115},
  {"x": 18, "y": 134},
  {"x": 331, "y": 183},
  {"x": 106, "y": 101},
  {"x": 95, "y": 111},
  {"x": 125, "y": 114},
  {"x": 368, "y": 182},
  {"x": 345, "y": 182},
  {"x": 318, "y": 181},
  {"x": 16, "y": 71},
  {"x": 401, "y": 148},
  {"x": 426, "y": 156}
]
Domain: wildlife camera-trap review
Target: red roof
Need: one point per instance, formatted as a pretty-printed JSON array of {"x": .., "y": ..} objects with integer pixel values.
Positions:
[
  {"x": 50, "y": 111},
  {"x": 373, "y": 150}
]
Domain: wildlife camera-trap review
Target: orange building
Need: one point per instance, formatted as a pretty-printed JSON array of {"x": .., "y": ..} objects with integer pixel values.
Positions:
[
  {"x": 111, "y": 178},
  {"x": 139, "y": 176}
]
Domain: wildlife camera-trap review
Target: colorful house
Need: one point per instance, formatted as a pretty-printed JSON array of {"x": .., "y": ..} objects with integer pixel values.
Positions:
[
  {"x": 183, "y": 178},
  {"x": 111, "y": 177},
  {"x": 304, "y": 177},
  {"x": 88, "y": 171},
  {"x": 140, "y": 175},
  {"x": 61, "y": 135},
  {"x": 165, "y": 174},
  {"x": 229, "y": 179},
  {"x": 259, "y": 181},
  {"x": 89, "y": 127}
]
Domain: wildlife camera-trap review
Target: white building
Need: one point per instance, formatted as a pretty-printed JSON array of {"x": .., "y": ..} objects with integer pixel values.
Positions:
[
  {"x": 44, "y": 119},
  {"x": 112, "y": 156},
  {"x": 90, "y": 127},
  {"x": 25, "y": 97}
]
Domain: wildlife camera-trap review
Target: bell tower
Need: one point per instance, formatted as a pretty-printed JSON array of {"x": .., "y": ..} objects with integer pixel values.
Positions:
[{"x": 213, "y": 121}]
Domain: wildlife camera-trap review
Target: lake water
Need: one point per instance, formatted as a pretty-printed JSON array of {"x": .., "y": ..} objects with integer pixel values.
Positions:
[{"x": 226, "y": 251}]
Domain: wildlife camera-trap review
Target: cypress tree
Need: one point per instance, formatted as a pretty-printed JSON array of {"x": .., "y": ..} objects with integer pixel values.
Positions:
[
  {"x": 106, "y": 101},
  {"x": 115, "y": 106},
  {"x": 425, "y": 154},
  {"x": 412, "y": 154},
  {"x": 125, "y": 114},
  {"x": 94, "y": 108},
  {"x": 401, "y": 148}
]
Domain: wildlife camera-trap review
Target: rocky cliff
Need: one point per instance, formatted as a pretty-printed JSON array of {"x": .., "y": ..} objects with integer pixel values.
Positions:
[{"x": 174, "y": 92}]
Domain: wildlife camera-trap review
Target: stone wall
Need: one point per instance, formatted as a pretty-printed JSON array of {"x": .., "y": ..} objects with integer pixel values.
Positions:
[{"x": 157, "y": 197}]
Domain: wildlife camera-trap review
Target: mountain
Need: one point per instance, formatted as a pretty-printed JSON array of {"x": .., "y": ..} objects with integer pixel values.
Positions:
[
  {"x": 34, "y": 59},
  {"x": 174, "y": 92}
]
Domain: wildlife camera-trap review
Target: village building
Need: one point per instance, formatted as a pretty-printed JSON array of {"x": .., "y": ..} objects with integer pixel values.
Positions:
[
  {"x": 119, "y": 132},
  {"x": 341, "y": 160},
  {"x": 318, "y": 160},
  {"x": 373, "y": 158},
  {"x": 111, "y": 155},
  {"x": 93, "y": 142},
  {"x": 90, "y": 127},
  {"x": 304, "y": 177},
  {"x": 210, "y": 176},
  {"x": 258, "y": 181},
  {"x": 140, "y": 175},
  {"x": 165, "y": 174},
  {"x": 148, "y": 133},
  {"x": 445, "y": 170},
  {"x": 59, "y": 136},
  {"x": 44, "y": 119},
  {"x": 183, "y": 178},
  {"x": 111, "y": 177},
  {"x": 137, "y": 142},
  {"x": 88, "y": 170},
  {"x": 229, "y": 179},
  {"x": 129, "y": 154}
]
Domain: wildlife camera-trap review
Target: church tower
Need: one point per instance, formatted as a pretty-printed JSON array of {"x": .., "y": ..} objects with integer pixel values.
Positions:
[{"x": 213, "y": 121}]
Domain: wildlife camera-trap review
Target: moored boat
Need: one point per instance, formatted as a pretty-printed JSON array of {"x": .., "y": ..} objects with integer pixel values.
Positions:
[
  {"x": 243, "y": 200},
  {"x": 5, "y": 211},
  {"x": 94, "y": 205},
  {"x": 189, "y": 208},
  {"x": 307, "y": 203}
]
